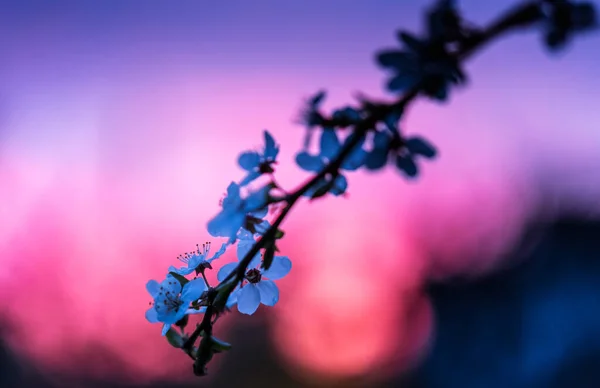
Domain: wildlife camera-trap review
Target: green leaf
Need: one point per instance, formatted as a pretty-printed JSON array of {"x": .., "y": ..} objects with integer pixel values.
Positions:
[
  {"x": 268, "y": 256},
  {"x": 174, "y": 338},
  {"x": 279, "y": 234},
  {"x": 183, "y": 322},
  {"x": 181, "y": 279},
  {"x": 218, "y": 345}
]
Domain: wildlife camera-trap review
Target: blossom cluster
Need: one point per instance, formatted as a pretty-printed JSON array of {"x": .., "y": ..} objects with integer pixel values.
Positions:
[{"x": 365, "y": 136}]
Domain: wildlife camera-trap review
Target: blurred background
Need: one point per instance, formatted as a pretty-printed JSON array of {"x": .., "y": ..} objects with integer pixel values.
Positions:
[{"x": 120, "y": 126}]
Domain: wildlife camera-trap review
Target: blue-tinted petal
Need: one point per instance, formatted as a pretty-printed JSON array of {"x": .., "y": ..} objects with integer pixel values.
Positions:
[
  {"x": 391, "y": 122},
  {"x": 165, "y": 328},
  {"x": 151, "y": 315},
  {"x": 407, "y": 164},
  {"x": 153, "y": 288},
  {"x": 309, "y": 162},
  {"x": 260, "y": 213},
  {"x": 179, "y": 314},
  {"x": 192, "y": 290},
  {"x": 330, "y": 144},
  {"x": 403, "y": 81},
  {"x": 225, "y": 224},
  {"x": 219, "y": 253},
  {"x": 249, "y": 160},
  {"x": 248, "y": 299},
  {"x": 317, "y": 99},
  {"x": 171, "y": 284},
  {"x": 165, "y": 315},
  {"x": 280, "y": 267},
  {"x": 243, "y": 248},
  {"x": 233, "y": 194},
  {"x": 420, "y": 146},
  {"x": 356, "y": 158},
  {"x": 307, "y": 138},
  {"x": 245, "y": 235},
  {"x": 395, "y": 59},
  {"x": 226, "y": 270},
  {"x": 271, "y": 149},
  {"x": 411, "y": 41},
  {"x": 381, "y": 140},
  {"x": 346, "y": 114},
  {"x": 233, "y": 298},
  {"x": 340, "y": 185},
  {"x": 182, "y": 271},
  {"x": 376, "y": 159},
  {"x": 441, "y": 93},
  {"x": 262, "y": 227},
  {"x": 257, "y": 199},
  {"x": 352, "y": 114},
  {"x": 269, "y": 293}
]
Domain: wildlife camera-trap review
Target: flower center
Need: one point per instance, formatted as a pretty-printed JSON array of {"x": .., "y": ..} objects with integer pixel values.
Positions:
[
  {"x": 253, "y": 276},
  {"x": 167, "y": 301},
  {"x": 265, "y": 167}
]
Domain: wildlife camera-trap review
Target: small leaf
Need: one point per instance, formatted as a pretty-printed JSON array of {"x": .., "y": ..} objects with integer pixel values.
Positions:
[
  {"x": 268, "y": 256},
  {"x": 420, "y": 146},
  {"x": 407, "y": 165},
  {"x": 174, "y": 338},
  {"x": 183, "y": 322},
  {"x": 395, "y": 59},
  {"x": 279, "y": 234},
  {"x": 218, "y": 345},
  {"x": 411, "y": 41},
  {"x": 181, "y": 279},
  {"x": 340, "y": 185}
]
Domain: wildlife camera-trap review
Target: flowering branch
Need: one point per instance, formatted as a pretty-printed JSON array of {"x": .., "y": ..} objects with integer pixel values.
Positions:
[{"x": 426, "y": 67}]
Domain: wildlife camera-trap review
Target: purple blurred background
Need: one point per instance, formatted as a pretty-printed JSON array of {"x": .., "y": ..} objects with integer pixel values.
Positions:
[{"x": 120, "y": 125}]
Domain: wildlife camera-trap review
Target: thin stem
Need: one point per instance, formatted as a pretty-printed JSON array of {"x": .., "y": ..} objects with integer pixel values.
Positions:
[{"x": 205, "y": 279}]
